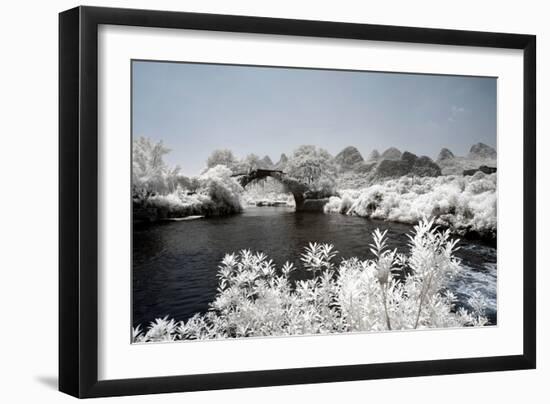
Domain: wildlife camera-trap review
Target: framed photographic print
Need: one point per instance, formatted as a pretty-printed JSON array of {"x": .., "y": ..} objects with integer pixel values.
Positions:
[{"x": 250, "y": 201}]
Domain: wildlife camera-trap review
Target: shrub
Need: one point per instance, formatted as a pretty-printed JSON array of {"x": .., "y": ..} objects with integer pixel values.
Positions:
[
  {"x": 222, "y": 189},
  {"x": 389, "y": 292},
  {"x": 461, "y": 203},
  {"x": 217, "y": 194},
  {"x": 180, "y": 204}
]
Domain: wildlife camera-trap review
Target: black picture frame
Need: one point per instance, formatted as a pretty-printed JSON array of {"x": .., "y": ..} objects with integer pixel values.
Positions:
[{"x": 78, "y": 200}]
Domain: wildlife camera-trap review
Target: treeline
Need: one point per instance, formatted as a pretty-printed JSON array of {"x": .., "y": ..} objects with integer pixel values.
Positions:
[{"x": 160, "y": 191}]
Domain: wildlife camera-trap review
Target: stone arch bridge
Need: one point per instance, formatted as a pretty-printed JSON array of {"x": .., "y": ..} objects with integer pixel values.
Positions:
[{"x": 304, "y": 196}]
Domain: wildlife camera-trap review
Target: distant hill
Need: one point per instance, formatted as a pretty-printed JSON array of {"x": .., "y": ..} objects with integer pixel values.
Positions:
[
  {"x": 348, "y": 159},
  {"x": 374, "y": 155},
  {"x": 393, "y": 164},
  {"x": 482, "y": 151},
  {"x": 445, "y": 154},
  {"x": 480, "y": 155},
  {"x": 266, "y": 163},
  {"x": 281, "y": 164},
  {"x": 392, "y": 153},
  {"x": 408, "y": 164},
  {"x": 390, "y": 164}
]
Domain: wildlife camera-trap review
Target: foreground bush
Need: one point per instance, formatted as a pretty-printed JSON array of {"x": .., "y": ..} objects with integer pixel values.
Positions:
[
  {"x": 464, "y": 204},
  {"x": 389, "y": 292}
]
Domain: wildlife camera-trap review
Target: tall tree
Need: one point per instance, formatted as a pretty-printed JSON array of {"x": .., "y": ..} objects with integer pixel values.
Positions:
[
  {"x": 150, "y": 174},
  {"x": 309, "y": 163},
  {"x": 252, "y": 162},
  {"x": 223, "y": 157}
]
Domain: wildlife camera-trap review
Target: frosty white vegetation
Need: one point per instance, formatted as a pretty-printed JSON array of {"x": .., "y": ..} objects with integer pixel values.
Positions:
[
  {"x": 389, "y": 292},
  {"x": 171, "y": 194},
  {"x": 461, "y": 203},
  {"x": 150, "y": 174},
  {"x": 216, "y": 193},
  {"x": 314, "y": 166}
]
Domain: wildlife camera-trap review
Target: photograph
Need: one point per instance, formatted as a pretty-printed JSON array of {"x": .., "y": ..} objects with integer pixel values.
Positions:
[{"x": 273, "y": 201}]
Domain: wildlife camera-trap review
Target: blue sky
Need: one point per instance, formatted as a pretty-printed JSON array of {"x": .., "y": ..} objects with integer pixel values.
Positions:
[{"x": 196, "y": 108}]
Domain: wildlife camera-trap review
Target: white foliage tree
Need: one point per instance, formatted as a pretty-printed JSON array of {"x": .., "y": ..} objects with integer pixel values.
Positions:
[
  {"x": 313, "y": 166},
  {"x": 221, "y": 157},
  {"x": 222, "y": 189},
  {"x": 170, "y": 194},
  {"x": 252, "y": 162},
  {"x": 150, "y": 174}
]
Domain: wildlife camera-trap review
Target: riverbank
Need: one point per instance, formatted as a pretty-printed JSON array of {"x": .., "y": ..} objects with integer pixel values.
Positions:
[
  {"x": 465, "y": 205},
  {"x": 181, "y": 207},
  {"x": 268, "y": 199},
  {"x": 216, "y": 194}
]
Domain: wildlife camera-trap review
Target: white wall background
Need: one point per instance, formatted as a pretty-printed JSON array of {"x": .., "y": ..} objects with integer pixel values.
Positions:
[{"x": 28, "y": 201}]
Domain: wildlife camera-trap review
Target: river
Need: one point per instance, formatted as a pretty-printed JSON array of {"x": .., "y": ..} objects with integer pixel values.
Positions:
[{"x": 175, "y": 263}]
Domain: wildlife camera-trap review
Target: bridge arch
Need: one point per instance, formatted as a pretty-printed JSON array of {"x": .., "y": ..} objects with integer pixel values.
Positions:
[{"x": 293, "y": 186}]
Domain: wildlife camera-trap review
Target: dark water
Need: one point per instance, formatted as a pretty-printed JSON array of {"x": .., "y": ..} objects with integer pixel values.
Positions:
[{"x": 175, "y": 263}]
